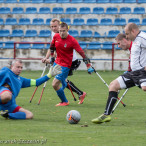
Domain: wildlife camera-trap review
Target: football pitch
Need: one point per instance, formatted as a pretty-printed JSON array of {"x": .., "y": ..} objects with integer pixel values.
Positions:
[{"x": 49, "y": 126}]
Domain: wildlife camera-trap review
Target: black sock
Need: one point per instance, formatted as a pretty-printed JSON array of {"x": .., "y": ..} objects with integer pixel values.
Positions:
[
  {"x": 74, "y": 88},
  {"x": 111, "y": 102}
]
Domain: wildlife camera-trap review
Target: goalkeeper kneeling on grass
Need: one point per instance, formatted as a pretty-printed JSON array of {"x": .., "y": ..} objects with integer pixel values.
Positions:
[{"x": 10, "y": 85}]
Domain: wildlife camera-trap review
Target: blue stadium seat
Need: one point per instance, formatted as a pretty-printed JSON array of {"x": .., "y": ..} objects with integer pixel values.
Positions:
[
  {"x": 50, "y": 1},
  {"x": 45, "y": 33},
  {"x": 85, "y": 33},
  {"x": 125, "y": 10},
  {"x": 38, "y": 46},
  {"x": 113, "y": 33},
  {"x": 31, "y": 10},
  {"x": 9, "y": 45},
  {"x": 57, "y": 10},
  {"x": 17, "y": 10},
  {"x": 78, "y": 21},
  {"x": 11, "y": 21},
  {"x": 44, "y": 10},
  {"x": 1, "y": 45},
  {"x": 116, "y": 1},
  {"x": 143, "y": 21},
  {"x": 139, "y": 10},
  {"x": 94, "y": 46},
  {"x": 107, "y": 45},
  {"x": 73, "y": 33},
  {"x": 23, "y": 46},
  {"x": 31, "y": 33},
  {"x": 141, "y": 1},
  {"x": 89, "y": 1},
  {"x": 84, "y": 10},
  {"x": 4, "y": 33},
  {"x": 63, "y": 1},
  {"x": 83, "y": 45},
  {"x": 5, "y": 10},
  {"x": 37, "y": 1},
  {"x": 103, "y": 1},
  {"x": 1, "y": 21},
  {"x": 76, "y": 1},
  {"x": 129, "y": 1},
  {"x": 97, "y": 35},
  {"x": 66, "y": 20},
  {"x": 24, "y": 1},
  {"x": 2, "y": 1},
  {"x": 10, "y": 1},
  {"x": 38, "y": 21},
  {"x": 92, "y": 21},
  {"x": 111, "y": 10},
  {"x": 106, "y": 21},
  {"x": 17, "y": 33},
  {"x": 48, "y": 21},
  {"x": 120, "y": 21},
  {"x": 98, "y": 10},
  {"x": 134, "y": 20},
  {"x": 71, "y": 10},
  {"x": 24, "y": 21},
  {"x": 47, "y": 46}
]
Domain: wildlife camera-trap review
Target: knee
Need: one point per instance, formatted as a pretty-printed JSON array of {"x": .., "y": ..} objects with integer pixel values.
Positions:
[
  {"x": 6, "y": 97},
  {"x": 29, "y": 115},
  {"x": 114, "y": 86},
  {"x": 143, "y": 88}
]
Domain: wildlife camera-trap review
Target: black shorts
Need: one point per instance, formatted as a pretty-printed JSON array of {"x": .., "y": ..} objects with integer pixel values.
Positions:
[
  {"x": 74, "y": 66},
  {"x": 134, "y": 78}
]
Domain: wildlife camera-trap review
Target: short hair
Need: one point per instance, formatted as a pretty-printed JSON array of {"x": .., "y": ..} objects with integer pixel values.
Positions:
[
  {"x": 63, "y": 24},
  {"x": 120, "y": 36},
  {"x": 132, "y": 26},
  {"x": 55, "y": 19},
  {"x": 12, "y": 62}
]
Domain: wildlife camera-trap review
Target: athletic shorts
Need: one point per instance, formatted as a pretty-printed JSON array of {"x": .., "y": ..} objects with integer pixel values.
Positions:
[
  {"x": 62, "y": 77},
  {"x": 135, "y": 78},
  {"x": 12, "y": 108}
]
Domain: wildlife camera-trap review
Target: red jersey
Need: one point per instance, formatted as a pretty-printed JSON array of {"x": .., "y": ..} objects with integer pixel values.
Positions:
[{"x": 64, "y": 49}]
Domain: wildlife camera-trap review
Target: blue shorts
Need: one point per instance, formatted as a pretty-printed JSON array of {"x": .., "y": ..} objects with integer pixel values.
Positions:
[
  {"x": 62, "y": 77},
  {"x": 10, "y": 106}
]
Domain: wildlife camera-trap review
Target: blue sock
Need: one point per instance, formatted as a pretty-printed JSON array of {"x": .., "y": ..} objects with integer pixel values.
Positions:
[
  {"x": 61, "y": 95},
  {"x": 17, "y": 115}
]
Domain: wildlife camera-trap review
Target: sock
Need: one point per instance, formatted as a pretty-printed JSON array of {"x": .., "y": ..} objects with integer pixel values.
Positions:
[
  {"x": 111, "y": 102},
  {"x": 61, "y": 95},
  {"x": 74, "y": 88},
  {"x": 17, "y": 115}
]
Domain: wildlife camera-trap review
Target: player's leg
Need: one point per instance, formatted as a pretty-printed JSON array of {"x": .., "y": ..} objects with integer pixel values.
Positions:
[
  {"x": 80, "y": 93},
  {"x": 122, "y": 82},
  {"x": 60, "y": 78}
]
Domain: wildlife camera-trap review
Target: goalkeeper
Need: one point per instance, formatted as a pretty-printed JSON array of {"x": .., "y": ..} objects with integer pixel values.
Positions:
[
  {"x": 10, "y": 85},
  {"x": 64, "y": 44}
]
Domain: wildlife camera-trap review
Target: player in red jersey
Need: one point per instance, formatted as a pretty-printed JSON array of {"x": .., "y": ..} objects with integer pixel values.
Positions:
[{"x": 64, "y": 44}]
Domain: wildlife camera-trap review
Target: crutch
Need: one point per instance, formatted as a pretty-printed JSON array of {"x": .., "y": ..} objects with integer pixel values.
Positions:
[
  {"x": 37, "y": 86},
  {"x": 107, "y": 85},
  {"x": 71, "y": 92},
  {"x": 119, "y": 100}
]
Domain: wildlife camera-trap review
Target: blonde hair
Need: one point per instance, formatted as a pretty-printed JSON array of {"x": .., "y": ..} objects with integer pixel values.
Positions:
[
  {"x": 120, "y": 36},
  {"x": 55, "y": 19}
]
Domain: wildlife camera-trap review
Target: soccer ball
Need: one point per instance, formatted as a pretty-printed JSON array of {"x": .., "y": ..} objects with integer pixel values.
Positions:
[{"x": 73, "y": 117}]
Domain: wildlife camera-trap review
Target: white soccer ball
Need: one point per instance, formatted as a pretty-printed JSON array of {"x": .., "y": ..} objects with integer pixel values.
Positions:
[{"x": 73, "y": 117}]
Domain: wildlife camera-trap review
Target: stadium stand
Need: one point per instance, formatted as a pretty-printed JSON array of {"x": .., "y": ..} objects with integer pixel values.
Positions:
[
  {"x": 107, "y": 45},
  {"x": 113, "y": 33},
  {"x": 1, "y": 21},
  {"x": 11, "y": 21},
  {"x": 24, "y": 1},
  {"x": 85, "y": 33},
  {"x": 58, "y": 10},
  {"x": 9, "y": 45},
  {"x": 74, "y": 33},
  {"x": 5, "y": 10},
  {"x": 103, "y": 1},
  {"x": 23, "y": 46},
  {"x": 134, "y": 20},
  {"x": 94, "y": 46},
  {"x": 38, "y": 21},
  {"x": 30, "y": 33},
  {"x": 143, "y": 21},
  {"x": 78, "y": 21},
  {"x": 139, "y": 10},
  {"x": 125, "y": 10},
  {"x": 50, "y": 1},
  {"x": 84, "y": 10},
  {"x": 63, "y": 1},
  {"x": 66, "y": 20},
  {"x": 31, "y": 10},
  {"x": 38, "y": 46},
  {"x": 76, "y": 1},
  {"x": 141, "y": 1},
  {"x": 44, "y": 33},
  {"x": 120, "y": 21},
  {"x": 116, "y": 1},
  {"x": 97, "y": 35},
  {"x": 129, "y": 1},
  {"x": 48, "y": 21},
  {"x": 37, "y": 1},
  {"x": 92, "y": 21},
  {"x": 4, "y": 33},
  {"x": 10, "y": 1},
  {"x": 89, "y": 1},
  {"x": 106, "y": 21}
]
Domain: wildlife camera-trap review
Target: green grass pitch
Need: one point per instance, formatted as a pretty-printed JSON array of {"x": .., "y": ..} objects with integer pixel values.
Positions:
[{"x": 49, "y": 126}]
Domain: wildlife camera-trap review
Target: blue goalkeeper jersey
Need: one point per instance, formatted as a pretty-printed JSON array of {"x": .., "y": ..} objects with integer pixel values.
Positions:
[{"x": 14, "y": 81}]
